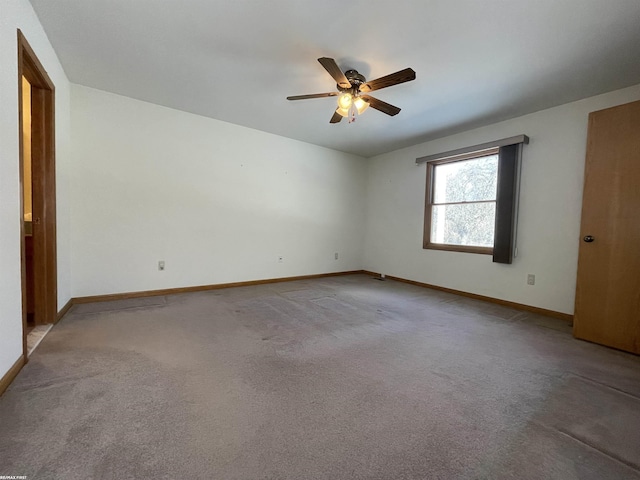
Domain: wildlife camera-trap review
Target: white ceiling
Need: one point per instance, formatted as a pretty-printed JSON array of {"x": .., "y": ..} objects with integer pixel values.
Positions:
[{"x": 477, "y": 61}]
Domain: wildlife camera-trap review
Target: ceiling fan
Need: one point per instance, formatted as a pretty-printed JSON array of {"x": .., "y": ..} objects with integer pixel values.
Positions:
[{"x": 353, "y": 89}]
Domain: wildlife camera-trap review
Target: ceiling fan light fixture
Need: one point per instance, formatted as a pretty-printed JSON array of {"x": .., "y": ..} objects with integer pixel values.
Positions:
[
  {"x": 343, "y": 111},
  {"x": 345, "y": 100},
  {"x": 361, "y": 105}
]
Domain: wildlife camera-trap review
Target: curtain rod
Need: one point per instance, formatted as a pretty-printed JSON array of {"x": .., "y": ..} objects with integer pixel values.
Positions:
[{"x": 483, "y": 146}]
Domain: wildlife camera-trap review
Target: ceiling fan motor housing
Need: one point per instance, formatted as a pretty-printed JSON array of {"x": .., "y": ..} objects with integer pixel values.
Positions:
[{"x": 355, "y": 79}]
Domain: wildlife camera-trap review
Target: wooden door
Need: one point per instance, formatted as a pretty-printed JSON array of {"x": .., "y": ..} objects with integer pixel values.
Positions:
[
  {"x": 43, "y": 172},
  {"x": 44, "y": 207},
  {"x": 608, "y": 287}
]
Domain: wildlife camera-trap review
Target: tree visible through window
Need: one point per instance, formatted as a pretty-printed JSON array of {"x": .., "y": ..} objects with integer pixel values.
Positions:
[{"x": 461, "y": 203}]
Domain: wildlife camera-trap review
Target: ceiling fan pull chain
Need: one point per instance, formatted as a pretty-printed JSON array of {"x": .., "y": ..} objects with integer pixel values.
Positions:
[{"x": 352, "y": 113}]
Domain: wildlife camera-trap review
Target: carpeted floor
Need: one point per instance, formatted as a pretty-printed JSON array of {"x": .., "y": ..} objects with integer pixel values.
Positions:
[{"x": 335, "y": 378}]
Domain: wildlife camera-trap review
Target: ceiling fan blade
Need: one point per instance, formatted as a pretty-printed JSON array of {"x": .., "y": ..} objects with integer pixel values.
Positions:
[
  {"x": 384, "y": 107},
  {"x": 402, "y": 76},
  {"x": 332, "y": 67},
  {"x": 313, "y": 95},
  {"x": 336, "y": 117}
]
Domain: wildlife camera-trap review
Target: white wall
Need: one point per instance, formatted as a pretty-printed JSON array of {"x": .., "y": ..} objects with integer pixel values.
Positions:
[
  {"x": 217, "y": 202},
  {"x": 16, "y": 14},
  {"x": 550, "y": 206}
]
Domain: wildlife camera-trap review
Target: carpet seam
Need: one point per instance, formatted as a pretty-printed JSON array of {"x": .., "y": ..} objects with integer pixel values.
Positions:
[
  {"x": 632, "y": 466},
  {"x": 591, "y": 380}
]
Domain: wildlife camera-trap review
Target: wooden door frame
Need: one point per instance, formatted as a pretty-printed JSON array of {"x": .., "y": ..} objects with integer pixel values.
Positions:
[{"x": 44, "y": 183}]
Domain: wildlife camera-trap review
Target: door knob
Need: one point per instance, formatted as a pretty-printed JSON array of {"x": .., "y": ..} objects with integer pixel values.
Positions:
[{"x": 588, "y": 238}]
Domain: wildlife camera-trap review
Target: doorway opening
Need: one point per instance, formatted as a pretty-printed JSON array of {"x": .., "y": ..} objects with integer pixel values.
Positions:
[{"x": 36, "y": 95}]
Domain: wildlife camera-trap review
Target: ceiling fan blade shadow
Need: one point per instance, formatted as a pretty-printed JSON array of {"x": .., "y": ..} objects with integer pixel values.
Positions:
[
  {"x": 402, "y": 76},
  {"x": 336, "y": 117},
  {"x": 384, "y": 107},
  {"x": 332, "y": 67},
  {"x": 313, "y": 95}
]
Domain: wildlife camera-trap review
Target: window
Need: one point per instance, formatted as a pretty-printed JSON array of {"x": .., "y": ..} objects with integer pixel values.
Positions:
[
  {"x": 461, "y": 202},
  {"x": 472, "y": 198}
]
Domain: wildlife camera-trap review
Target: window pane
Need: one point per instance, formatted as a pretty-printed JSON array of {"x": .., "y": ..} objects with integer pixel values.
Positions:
[
  {"x": 466, "y": 181},
  {"x": 464, "y": 224}
]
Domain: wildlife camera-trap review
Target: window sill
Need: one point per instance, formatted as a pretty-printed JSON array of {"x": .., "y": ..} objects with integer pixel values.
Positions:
[{"x": 458, "y": 248}]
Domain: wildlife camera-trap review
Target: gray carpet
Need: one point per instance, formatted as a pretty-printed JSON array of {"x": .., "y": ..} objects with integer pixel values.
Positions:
[{"x": 335, "y": 378}]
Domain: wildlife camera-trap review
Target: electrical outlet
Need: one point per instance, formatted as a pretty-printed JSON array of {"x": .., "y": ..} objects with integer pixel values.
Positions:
[
  {"x": 531, "y": 279},
  {"x": 280, "y": 259},
  {"x": 161, "y": 265},
  {"x": 336, "y": 255}
]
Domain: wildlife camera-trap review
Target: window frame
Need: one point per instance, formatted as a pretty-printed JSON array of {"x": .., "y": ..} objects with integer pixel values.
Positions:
[{"x": 429, "y": 204}]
